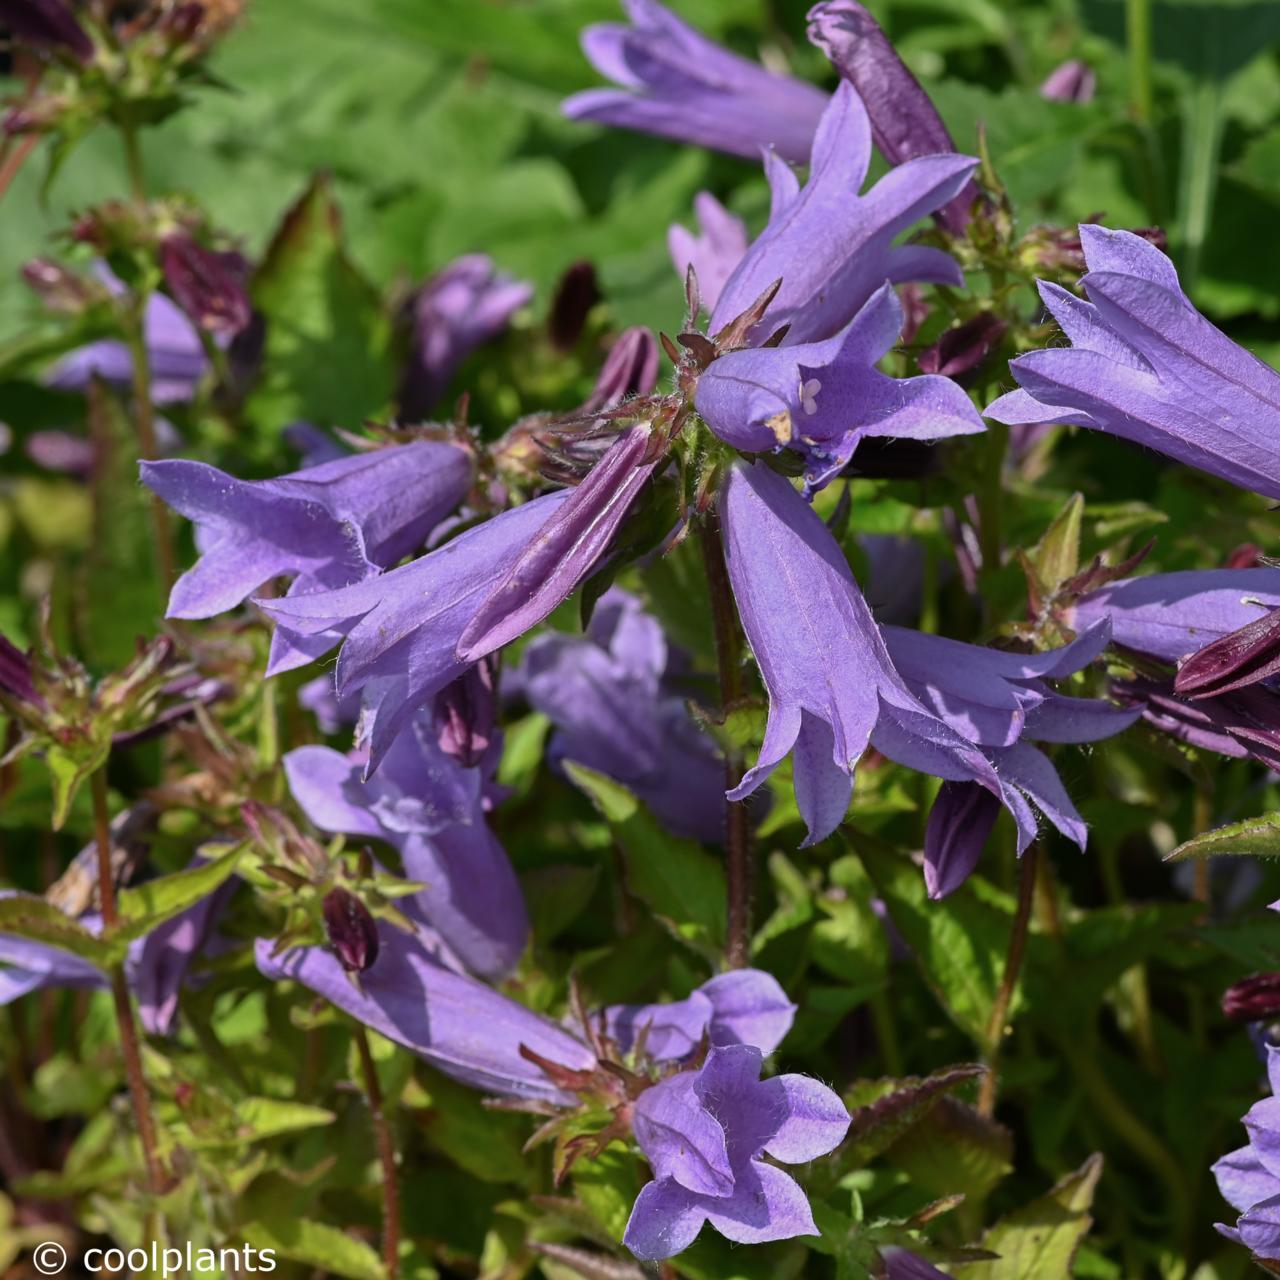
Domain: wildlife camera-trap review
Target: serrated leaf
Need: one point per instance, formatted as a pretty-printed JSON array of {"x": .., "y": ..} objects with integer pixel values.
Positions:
[
  {"x": 1039, "y": 1241},
  {"x": 255, "y": 1119},
  {"x": 679, "y": 880},
  {"x": 68, "y": 771},
  {"x": 1259, "y": 837},
  {"x": 953, "y": 1149},
  {"x": 151, "y": 904},
  {"x": 317, "y": 1245}
]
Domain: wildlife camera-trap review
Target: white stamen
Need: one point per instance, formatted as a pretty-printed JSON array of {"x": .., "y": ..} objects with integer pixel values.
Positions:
[{"x": 809, "y": 396}]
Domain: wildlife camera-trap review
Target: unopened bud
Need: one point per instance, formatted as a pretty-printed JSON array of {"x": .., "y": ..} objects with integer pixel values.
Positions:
[
  {"x": 1241, "y": 658},
  {"x": 630, "y": 369},
  {"x": 575, "y": 295},
  {"x": 352, "y": 931},
  {"x": 465, "y": 714},
  {"x": 1253, "y": 1000},
  {"x": 206, "y": 284},
  {"x": 963, "y": 349},
  {"x": 48, "y": 24}
]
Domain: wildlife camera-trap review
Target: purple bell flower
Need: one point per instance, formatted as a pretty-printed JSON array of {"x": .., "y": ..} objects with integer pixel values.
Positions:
[
  {"x": 831, "y": 247},
  {"x": 326, "y": 526},
  {"x": 902, "y": 1264},
  {"x": 460, "y": 308},
  {"x": 714, "y": 252},
  {"x": 704, "y": 1133},
  {"x": 1070, "y": 81},
  {"x": 903, "y": 120},
  {"x": 157, "y": 965},
  {"x": 630, "y": 369},
  {"x": 822, "y": 398},
  {"x": 678, "y": 84},
  {"x": 1249, "y": 1179},
  {"x": 462, "y": 1027},
  {"x": 999, "y": 701},
  {"x": 402, "y": 628},
  {"x": 831, "y": 681},
  {"x": 1145, "y": 365},
  {"x": 742, "y": 1006},
  {"x": 432, "y": 811},
  {"x": 615, "y": 711}
]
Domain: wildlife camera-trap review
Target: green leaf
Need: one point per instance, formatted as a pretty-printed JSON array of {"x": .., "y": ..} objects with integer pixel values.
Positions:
[
  {"x": 960, "y": 948},
  {"x": 327, "y": 356},
  {"x": 68, "y": 770},
  {"x": 1259, "y": 837},
  {"x": 487, "y": 1144},
  {"x": 33, "y": 918},
  {"x": 317, "y": 1245},
  {"x": 254, "y": 1119},
  {"x": 608, "y": 1185},
  {"x": 151, "y": 904},
  {"x": 557, "y": 896},
  {"x": 1039, "y": 1241},
  {"x": 679, "y": 880},
  {"x": 953, "y": 1149}
]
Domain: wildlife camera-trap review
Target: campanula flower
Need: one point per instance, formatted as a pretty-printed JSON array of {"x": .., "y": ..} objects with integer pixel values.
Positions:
[
  {"x": 460, "y": 308},
  {"x": 714, "y": 251},
  {"x": 615, "y": 710},
  {"x": 822, "y": 398},
  {"x": 630, "y": 369},
  {"x": 400, "y": 630},
  {"x": 904, "y": 122},
  {"x": 678, "y": 84},
  {"x": 704, "y": 1133},
  {"x": 829, "y": 676},
  {"x": 1145, "y": 365},
  {"x": 831, "y": 247},
  {"x": 902, "y": 1264},
  {"x": 323, "y": 527},
  {"x": 431, "y": 809},
  {"x": 1249, "y": 1179},
  {"x": 1070, "y": 81}
]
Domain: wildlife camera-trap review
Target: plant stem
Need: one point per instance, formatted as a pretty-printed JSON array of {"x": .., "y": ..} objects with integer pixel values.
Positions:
[
  {"x": 148, "y": 450},
  {"x": 1138, "y": 38},
  {"x": 129, "y": 1049},
  {"x": 133, "y": 163},
  {"x": 386, "y": 1157},
  {"x": 1012, "y": 967},
  {"x": 737, "y": 949}
]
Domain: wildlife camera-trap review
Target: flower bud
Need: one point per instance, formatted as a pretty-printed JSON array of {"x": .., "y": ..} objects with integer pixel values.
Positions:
[
  {"x": 1072, "y": 81},
  {"x": 352, "y": 931},
  {"x": 206, "y": 284},
  {"x": 48, "y": 24},
  {"x": 1254, "y": 999},
  {"x": 963, "y": 349},
  {"x": 575, "y": 295},
  {"x": 466, "y": 712},
  {"x": 1244, "y": 657},
  {"x": 15, "y": 674},
  {"x": 630, "y": 369}
]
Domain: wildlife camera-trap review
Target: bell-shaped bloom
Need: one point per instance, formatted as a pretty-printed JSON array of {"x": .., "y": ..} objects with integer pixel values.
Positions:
[
  {"x": 402, "y": 628},
  {"x": 676, "y": 83},
  {"x": 157, "y": 966},
  {"x": 457, "y": 1023},
  {"x": 460, "y": 308},
  {"x": 714, "y": 252},
  {"x": 831, "y": 247},
  {"x": 432, "y": 811},
  {"x": 1001, "y": 701},
  {"x": 831, "y": 682},
  {"x": 822, "y": 398},
  {"x": 1249, "y": 1179},
  {"x": 742, "y": 1006},
  {"x": 1169, "y": 616},
  {"x": 1145, "y": 365},
  {"x": 903, "y": 120},
  {"x": 704, "y": 1134},
  {"x": 1070, "y": 81},
  {"x": 568, "y": 547},
  {"x": 324, "y": 527},
  {"x": 615, "y": 710}
]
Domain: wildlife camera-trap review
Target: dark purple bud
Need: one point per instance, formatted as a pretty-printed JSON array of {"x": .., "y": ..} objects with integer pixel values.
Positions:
[
  {"x": 60, "y": 451},
  {"x": 182, "y": 25},
  {"x": 565, "y": 550},
  {"x": 49, "y": 24},
  {"x": 901, "y": 1264},
  {"x": 1073, "y": 81},
  {"x": 959, "y": 824},
  {"x": 904, "y": 123},
  {"x": 1255, "y": 999},
  {"x": 58, "y": 288},
  {"x": 18, "y": 120},
  {"x": 964, "y": 348},
  {"x": 575, "y": 295},
  {"x": 207, "y": 285},
  {"x": 915, "y": 309},
  {"x": 353, "y": 934},
  {"x": 630, "y": 369},
  {"x": 1233, "y": 661},
  {"x": 466, "y": 713},
  {"x": 15, "y": 674},
  {"x": 1248, "y": 555}
]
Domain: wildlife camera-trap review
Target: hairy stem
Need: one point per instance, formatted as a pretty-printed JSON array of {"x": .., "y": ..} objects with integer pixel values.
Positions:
[
  {"x": 125, "y": 1023},
  {"x": 737, "y": 830},
  {"x": 1012, "y": 967},
  {"x": 386, "y": 1157}
]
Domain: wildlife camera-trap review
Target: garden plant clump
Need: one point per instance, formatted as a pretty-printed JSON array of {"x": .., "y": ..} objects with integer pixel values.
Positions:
[{"x": 640, "y": 643}]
